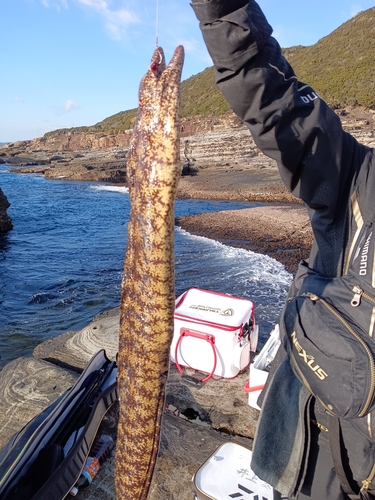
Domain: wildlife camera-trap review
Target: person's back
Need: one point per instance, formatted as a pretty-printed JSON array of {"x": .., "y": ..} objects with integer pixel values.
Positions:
[{"x": 335, "y": 176}]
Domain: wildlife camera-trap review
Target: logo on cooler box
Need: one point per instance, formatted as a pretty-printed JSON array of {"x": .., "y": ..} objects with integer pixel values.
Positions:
[
  {"x": 216, "y": 310},
  {"x": 227, "y": 312}
]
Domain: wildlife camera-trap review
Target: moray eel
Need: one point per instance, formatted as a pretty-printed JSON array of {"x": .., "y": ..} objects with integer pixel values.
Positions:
[{"x": 148, "y": 298}]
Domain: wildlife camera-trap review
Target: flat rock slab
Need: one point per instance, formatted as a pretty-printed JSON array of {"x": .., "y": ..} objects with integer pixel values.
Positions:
[
  {"x": 184, "y": 447},
  {"x": 27, "y": 387},
  {"x": 74, "y": 350}
]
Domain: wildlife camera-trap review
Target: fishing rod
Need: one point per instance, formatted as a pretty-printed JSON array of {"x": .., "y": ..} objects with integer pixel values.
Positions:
[{"x": 157, "y": 24}]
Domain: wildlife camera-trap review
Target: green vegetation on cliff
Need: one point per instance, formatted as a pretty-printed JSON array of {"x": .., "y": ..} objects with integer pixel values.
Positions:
[
  {"x": 200, "y": 96},
  {"x": 340, "y": 67}
]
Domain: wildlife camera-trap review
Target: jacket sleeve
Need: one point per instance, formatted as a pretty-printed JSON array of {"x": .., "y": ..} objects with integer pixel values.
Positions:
[{"x": 288, "y": 120}]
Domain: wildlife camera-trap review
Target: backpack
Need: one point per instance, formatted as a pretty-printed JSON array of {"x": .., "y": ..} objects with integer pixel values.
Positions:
[
  {"x": 329, "y": 334},
  {"x": 44, "y": 459},
  {"x": 329, "y": 327}
]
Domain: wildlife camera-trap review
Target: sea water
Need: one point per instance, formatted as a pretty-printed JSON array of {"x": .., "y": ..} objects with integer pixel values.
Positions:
[{"x": 62, "y": 262}]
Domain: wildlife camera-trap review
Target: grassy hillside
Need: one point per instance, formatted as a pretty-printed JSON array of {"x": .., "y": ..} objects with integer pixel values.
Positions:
[
  {"x": 200, "y": 96},
  {"x": 340, "y": 67}
]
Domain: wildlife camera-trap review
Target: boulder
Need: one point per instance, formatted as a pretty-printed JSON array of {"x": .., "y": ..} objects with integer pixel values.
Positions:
[{"x": 5, "y": 221}]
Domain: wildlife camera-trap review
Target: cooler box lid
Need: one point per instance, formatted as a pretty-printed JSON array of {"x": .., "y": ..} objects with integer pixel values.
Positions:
[{"x": 213, "y": 308}]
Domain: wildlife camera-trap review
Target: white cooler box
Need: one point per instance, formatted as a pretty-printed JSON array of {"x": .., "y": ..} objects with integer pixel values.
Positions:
[
  {"x": 227, "y": 474},
  {"x": 213, "y": 333},
  {"x": 259, "y": 369}
]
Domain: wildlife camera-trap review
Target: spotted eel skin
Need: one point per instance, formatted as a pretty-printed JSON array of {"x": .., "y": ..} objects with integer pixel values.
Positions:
[{"x": 148, "y": 298}]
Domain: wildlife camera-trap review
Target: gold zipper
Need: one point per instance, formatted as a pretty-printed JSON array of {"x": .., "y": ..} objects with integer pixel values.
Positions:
[
  {"x": 366, "y": 483},
  {"x": 370, "y": 396},
  {"x": 358, "y": 294},
  {"x": 356, "y": 300},
  {"x": 369, "y": 424}
]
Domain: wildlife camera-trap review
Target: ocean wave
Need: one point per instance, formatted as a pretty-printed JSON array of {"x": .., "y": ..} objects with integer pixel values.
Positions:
[
  {"x": 118, "y": 189},
  {"x": 264, "y": 264}
]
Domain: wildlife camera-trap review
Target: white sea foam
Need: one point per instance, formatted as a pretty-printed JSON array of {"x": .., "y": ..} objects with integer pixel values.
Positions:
[
  {"x": 119, "y": 189},
  {"x": 209, "y": 264},
  {"x": 263, "y": 265}
]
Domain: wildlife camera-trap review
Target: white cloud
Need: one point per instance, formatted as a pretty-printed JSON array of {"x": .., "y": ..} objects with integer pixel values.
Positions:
[
  {"x": 114, "y": 31},
  {"x": 19, "y": 100},
  {"x": 95, "y": 4},
  {"x": 115, "y": 20},
  {"x": 190, "y": 45},
  {"x": 57, "y": 4},
  {"x": 196, "y": 48},
  {"x": 69, "y": 106}
]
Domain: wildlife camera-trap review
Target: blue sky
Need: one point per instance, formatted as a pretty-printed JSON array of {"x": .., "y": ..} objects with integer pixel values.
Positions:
[{"x": 67, "y": 63}]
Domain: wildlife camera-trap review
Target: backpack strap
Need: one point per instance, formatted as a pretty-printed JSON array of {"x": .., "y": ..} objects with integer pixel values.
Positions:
[{"x": 335, "y": 440}]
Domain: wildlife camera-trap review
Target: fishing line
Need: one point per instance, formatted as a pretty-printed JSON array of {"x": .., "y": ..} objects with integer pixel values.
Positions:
[{"x": 157, "y": 23}]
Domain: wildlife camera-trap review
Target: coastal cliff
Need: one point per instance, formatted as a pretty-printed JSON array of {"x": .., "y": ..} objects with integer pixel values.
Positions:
[{"x": 222, "y": 144}]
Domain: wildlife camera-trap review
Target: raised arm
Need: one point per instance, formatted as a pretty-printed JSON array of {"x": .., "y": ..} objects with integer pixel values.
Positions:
[{"x": 288, "y": 120}]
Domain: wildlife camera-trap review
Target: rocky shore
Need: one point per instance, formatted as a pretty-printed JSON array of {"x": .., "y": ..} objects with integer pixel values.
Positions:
[{"x": 221, "y": 144}]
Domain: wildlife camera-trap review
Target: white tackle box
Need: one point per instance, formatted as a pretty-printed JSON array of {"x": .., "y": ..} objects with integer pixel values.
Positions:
[
  {"x": 213, "y": 333},
  {"x": 227, "y": 474}
]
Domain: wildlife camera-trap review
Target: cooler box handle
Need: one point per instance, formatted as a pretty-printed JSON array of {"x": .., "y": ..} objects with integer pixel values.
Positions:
[{"x": 185, "y": 332}]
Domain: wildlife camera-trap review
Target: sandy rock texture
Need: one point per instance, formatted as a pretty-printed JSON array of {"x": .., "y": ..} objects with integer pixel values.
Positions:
[{"x": 27, "y": 387}]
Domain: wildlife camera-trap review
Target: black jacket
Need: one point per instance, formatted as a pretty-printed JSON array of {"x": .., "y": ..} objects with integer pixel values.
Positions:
[{"x": 321, "y": 164}]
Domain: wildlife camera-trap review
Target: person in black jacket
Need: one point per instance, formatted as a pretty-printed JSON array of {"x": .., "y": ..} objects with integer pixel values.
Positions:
[{"x": 334, "y": 175}]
